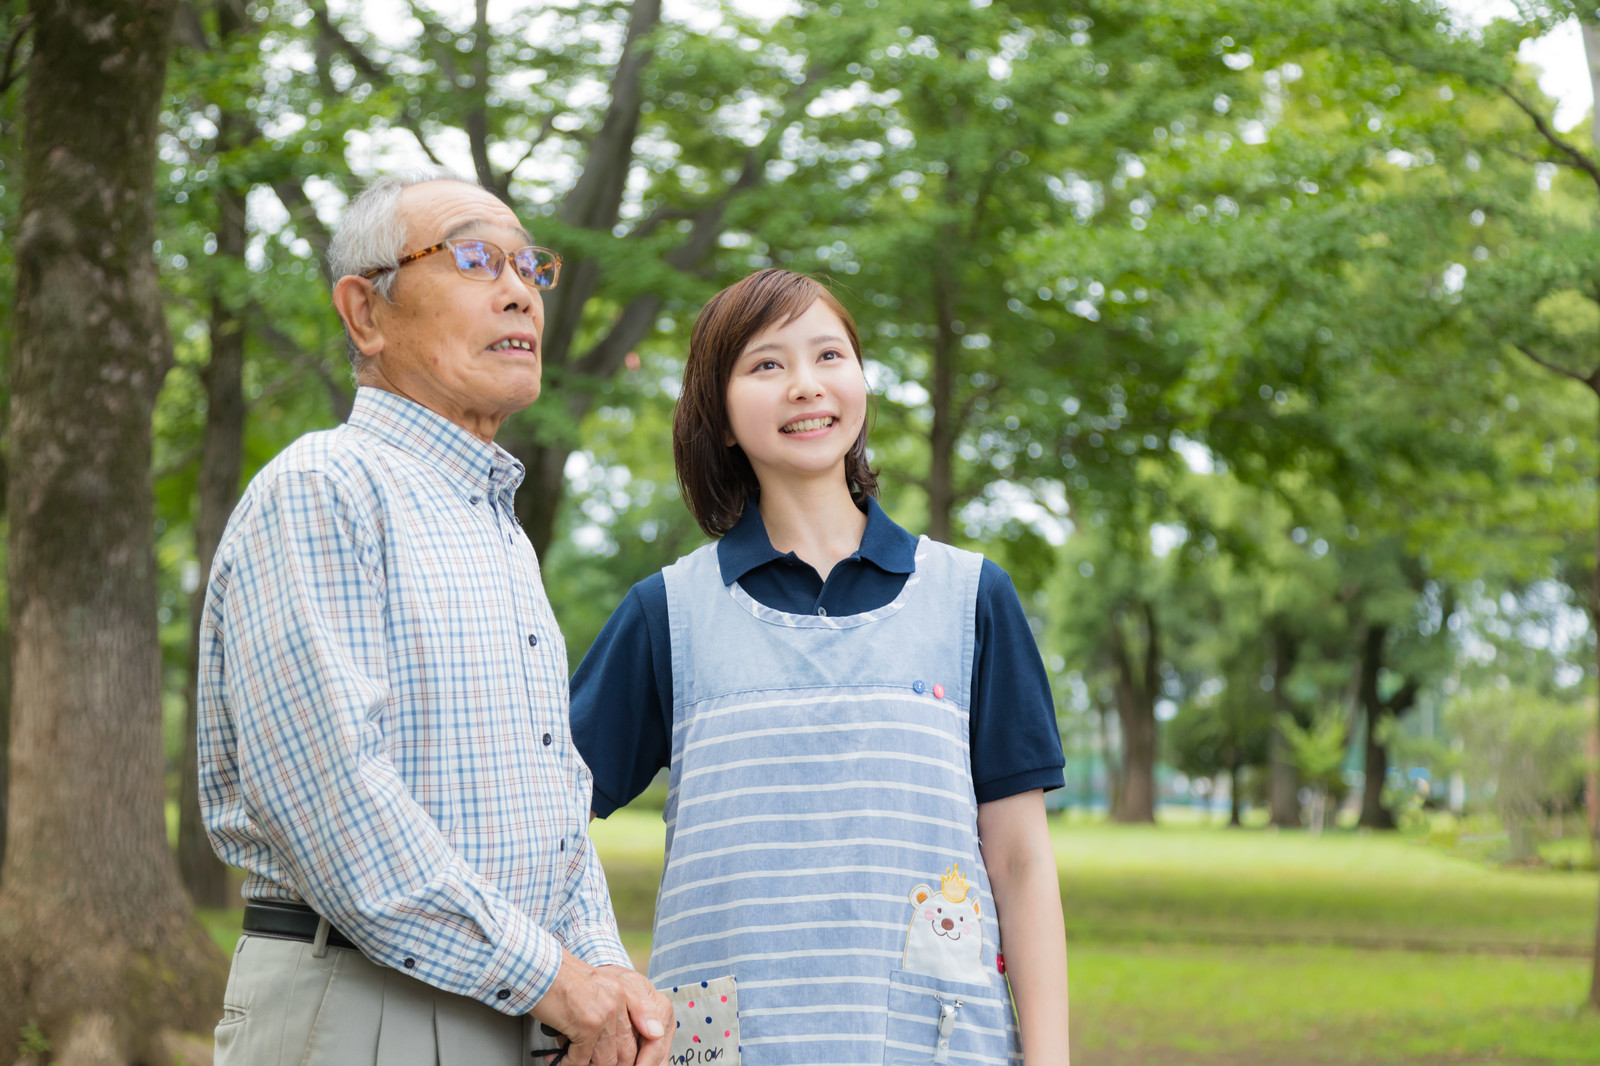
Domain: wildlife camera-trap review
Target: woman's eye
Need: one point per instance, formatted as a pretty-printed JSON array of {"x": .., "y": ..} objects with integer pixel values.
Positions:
[{"x": 832, "y": 353}]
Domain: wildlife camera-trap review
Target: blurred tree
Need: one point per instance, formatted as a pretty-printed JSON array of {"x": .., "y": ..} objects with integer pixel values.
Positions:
[
  {"x": 1526, "y": 748},
  {"x": 1318, "y": 754},
  {"x": 102, "y": 949}
]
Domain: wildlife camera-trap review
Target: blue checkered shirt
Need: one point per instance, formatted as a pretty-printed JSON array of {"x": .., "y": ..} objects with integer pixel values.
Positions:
[{"x": 383, "y": 725}]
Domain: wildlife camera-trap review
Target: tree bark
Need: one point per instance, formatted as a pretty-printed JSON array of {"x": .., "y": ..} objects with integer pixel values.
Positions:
[
  {"x": 221, "y": 458},
  {"x": 1374, "y": 815},
  {"x": 1234, "y": 821},
  {"x": 1136, "y": 694},
  {"x": 943, "y": 428},
  {"x": 1283, "y": 784},
  {"x": 102, "y": 951}
]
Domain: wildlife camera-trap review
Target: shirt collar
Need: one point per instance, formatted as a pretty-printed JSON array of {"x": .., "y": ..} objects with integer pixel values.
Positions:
[
  {"x": 435, "y": 440},
  {"x": 747, "y": 545}
]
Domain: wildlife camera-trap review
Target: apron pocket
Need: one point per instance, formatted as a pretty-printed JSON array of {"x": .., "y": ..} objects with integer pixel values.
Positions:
[
  {"x": 932, "y": 1020},
  {"x": 707, "y": 1013}
]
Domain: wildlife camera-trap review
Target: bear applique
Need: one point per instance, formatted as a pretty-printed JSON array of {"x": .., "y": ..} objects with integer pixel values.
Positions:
[{"x": 945, "y": 938}]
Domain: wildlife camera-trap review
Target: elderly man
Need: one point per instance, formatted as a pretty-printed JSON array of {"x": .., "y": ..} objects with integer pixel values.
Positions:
[{"x": 384, "y": 743}]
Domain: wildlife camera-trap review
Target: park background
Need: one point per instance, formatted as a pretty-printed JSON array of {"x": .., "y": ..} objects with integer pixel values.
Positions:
[{"x": 1259, "y": 341}]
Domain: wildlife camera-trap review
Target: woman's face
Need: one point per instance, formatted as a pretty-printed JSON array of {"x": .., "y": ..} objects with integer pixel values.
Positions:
[{"x": 797, "y": 398}]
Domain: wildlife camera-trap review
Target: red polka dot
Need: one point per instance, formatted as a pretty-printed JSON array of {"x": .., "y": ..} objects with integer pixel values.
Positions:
[
  {"x": 938, "y": 692},
  {"x": 724, "y": 999},
  {"x": 727, "y": 1032},
  {"x": 691, "y": 1003},
  {"x": 696, "y": 1039}
]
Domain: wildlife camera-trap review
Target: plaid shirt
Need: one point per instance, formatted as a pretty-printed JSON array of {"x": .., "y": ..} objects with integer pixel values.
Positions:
[{"x": 383, "y": 727}]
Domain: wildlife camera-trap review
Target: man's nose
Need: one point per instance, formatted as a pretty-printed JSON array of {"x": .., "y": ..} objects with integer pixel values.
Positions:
[{"x": 510, "y": 288}]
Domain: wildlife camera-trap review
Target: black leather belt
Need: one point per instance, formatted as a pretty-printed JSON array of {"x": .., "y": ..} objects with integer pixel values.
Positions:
[{"x": 289, "y": 921}]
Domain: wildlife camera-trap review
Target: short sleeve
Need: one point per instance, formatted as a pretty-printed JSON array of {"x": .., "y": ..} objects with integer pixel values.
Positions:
[
  {"x": 1016, "y": 746},
  {"x": 622, "y": 698}
]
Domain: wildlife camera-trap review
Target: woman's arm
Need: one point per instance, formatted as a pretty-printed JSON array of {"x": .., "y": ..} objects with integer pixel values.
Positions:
[{"x": 1015, "y": 840}]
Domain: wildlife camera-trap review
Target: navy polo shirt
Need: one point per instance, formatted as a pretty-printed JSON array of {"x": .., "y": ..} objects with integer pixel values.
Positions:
[{"x": 622, "y": 691}]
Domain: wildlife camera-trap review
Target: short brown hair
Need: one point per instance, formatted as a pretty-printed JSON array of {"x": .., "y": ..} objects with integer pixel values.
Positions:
[{"x": 718, "y": 481}]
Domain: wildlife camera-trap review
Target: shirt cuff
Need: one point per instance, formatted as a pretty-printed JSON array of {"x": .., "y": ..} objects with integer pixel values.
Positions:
[
  {"x": 1047, "y": 778},
  {"x": 596, "y": 943},
  {"x": 521, "y": 972}
]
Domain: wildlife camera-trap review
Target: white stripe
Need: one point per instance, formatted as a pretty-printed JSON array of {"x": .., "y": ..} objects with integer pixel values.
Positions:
[
  {"x": 748, "y": 901},
  {"x": 790, "y": 982},
  {"x": 968, "y": 1056},
  {"x": 845, "y": 842},
  {"x": 841, "y": 1008},
  {"x": 665, "y": 977},
  {"x": 924, "y": 700},
  {"x": 672, "y": 945},
  {"x": 838, "y": 786},
  {"x": 899, "y": 727},
  {"x": 832, "y": 759},
  {"x": 789, "y": 875},
  {"x": 818, "y": 816},
  {"x": 932, "y": 1023},
  {"x": 850, "y": 1038}
]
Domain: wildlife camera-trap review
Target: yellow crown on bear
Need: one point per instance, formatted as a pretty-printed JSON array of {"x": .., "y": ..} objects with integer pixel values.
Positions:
[{"x": 953, "y": 885}]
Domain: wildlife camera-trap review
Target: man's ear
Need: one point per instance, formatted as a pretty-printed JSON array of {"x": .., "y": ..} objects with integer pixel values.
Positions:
[{"x": 356, "y": 301}]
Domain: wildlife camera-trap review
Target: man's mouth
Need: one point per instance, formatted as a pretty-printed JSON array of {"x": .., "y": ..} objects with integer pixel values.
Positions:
[
  {"x": 806, "y": 425},
  {"x": 510, "y": 343}
]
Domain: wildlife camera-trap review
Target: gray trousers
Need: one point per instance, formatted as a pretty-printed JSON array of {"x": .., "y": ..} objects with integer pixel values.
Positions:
[{"x": 286, "y": 1007}]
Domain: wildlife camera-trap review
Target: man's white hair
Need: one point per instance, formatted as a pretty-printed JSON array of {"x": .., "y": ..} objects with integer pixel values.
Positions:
[{"x": 370, "y": 235}]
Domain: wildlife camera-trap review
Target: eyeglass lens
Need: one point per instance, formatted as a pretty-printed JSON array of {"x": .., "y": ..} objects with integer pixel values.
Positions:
[{"x": 482, "y": 260}]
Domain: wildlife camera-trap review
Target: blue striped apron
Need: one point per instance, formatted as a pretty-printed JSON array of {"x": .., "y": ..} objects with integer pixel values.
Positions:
[{"x": 822, "y": 844}]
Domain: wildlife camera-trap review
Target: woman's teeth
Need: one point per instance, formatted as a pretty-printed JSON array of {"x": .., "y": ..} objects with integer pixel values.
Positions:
[
  {"x": 808, "y": 424},
  {"x": 511, "y": 342}
]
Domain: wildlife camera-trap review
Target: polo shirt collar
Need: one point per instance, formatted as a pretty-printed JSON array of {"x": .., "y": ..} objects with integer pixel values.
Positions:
[
  {"x": 747, "y": 545},
  {"x": 436, "y": 441}
]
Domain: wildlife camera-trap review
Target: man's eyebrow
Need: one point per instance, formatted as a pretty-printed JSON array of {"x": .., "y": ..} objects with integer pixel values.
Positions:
[
  {"x": 826, "y": 338},
  {"x": 473, "y": 224}
]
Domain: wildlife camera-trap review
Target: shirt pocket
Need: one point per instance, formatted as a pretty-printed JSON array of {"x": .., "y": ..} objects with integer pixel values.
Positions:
[{"x": 934, "y": 1020}]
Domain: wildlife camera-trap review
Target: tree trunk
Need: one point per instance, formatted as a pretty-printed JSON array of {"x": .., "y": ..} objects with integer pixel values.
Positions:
[
  {"x": 1373, "y": 813},
  {"x": 1234, "y": 821},
  {"x": 944, "y": 428},
  {"x": 1283, "y": 784},
  {"x": 1111, "y": 759},
  {"x": 1136, "y": 713},
  {"x": 102, "y": 951},
  {"x": 221, "y": 458}
]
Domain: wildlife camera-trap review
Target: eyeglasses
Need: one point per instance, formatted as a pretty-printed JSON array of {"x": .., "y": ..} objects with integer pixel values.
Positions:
[{"x": 481, "y": 261}]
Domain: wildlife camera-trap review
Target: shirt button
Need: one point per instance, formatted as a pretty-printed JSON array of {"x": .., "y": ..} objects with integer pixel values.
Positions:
[
  {"x": 823, "y": 611},
  {"x": 504, "y": 993},
  {"x": 533, "y": 640},
  {"x": 561, "y": 846},
  {"x": 411, "y": 964},
  {"x": 547, "y": 740}
]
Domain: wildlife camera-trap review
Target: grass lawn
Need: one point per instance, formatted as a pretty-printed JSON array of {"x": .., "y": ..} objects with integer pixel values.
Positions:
[{"x": 1196, "y": 945}]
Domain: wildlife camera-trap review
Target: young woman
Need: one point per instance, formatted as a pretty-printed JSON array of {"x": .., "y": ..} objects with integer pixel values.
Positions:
[{"x": 858, "y": 729}]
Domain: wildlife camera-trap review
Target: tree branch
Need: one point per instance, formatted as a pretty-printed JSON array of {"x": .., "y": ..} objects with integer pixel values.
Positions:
[
  {"x": 1591, "y": 379},
  {"x": 1579, "y": 160},
  {"x": 372, "y": 71},
  {"x": 9, "y": 72}
]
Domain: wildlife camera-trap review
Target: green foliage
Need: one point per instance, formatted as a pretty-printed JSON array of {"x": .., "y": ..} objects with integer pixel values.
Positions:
[{"x": 1526, "y": 749}]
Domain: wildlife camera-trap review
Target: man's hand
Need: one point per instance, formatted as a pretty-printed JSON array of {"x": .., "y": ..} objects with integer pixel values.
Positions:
[
  {"x": 650, "y": 1012},
  {"x": 609, "y": 1013}
]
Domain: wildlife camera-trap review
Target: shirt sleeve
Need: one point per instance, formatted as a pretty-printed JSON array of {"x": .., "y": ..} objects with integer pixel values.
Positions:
[
  {"x": 305, "y": 677},
  {"x": 587, "y": 925},
  {"x": 622, "y": 698},
  {"x": 1016, "y": 746}
]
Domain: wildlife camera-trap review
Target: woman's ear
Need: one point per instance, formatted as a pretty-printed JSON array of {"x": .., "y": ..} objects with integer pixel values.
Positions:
[{"x": 356, "y": 300}]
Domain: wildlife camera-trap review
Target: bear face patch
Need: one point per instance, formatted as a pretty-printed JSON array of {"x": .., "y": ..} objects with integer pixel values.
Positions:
[{"x": 945, "y": 937}]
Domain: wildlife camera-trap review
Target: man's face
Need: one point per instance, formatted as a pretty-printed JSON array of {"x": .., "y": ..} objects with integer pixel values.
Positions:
[{"x": 468, "y": 350}]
